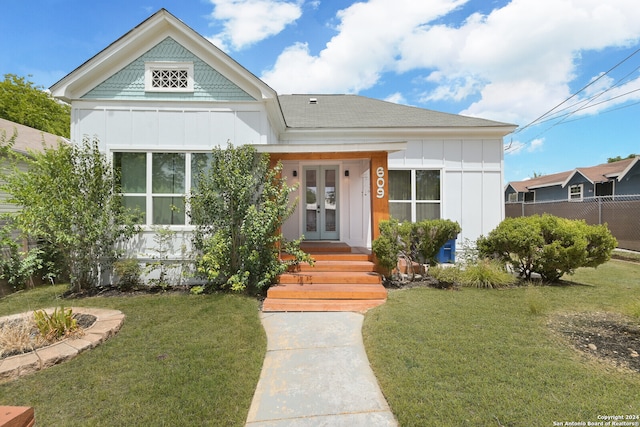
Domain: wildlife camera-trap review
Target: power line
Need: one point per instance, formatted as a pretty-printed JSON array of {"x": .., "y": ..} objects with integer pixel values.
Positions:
[{"x": 576, "y": 93}]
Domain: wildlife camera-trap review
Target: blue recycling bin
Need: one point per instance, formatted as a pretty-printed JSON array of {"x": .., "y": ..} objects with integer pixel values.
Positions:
[{"x": 447, "y": 253}]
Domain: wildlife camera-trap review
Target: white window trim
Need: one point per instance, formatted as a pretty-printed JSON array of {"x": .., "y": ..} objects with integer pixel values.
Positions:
[
  {"x": 581, "y": 187},
  {"x": 414, "y": 202},
  {"x": 149, "y": 67},
  {"x": 512, "y": 198},
  {"x": 148, "y": 225}
]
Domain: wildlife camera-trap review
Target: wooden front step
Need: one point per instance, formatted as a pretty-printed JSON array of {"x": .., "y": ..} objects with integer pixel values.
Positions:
[
  {"x": 360, "y": 265},
  {"x": 271, "y": 304},
  {"x": 327, "y": 291},
  {"x": 338, "y": 281},
  {"x": 337, "y": 277}
]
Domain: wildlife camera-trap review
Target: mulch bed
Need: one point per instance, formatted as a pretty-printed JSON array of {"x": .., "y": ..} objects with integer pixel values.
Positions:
[{"x": 608, "y": 337}]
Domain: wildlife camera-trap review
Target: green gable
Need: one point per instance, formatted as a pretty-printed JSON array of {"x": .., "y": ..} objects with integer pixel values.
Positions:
[{"x": 128, "y": 83}]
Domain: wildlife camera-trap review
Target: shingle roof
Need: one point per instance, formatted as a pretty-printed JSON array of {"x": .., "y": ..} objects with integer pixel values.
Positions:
[
  {"x": 599, "y": 173},
  {"x": 28, "y": 138},
  {"x": 354, "y": 111}
]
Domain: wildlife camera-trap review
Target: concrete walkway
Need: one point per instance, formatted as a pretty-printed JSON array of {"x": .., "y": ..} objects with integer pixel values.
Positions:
[{"x": 316, "y": 373}]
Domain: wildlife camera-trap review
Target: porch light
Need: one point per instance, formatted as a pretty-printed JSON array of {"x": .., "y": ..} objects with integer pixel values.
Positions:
[
  {"x": 295, "y": 173},
  {"x": 346, "y": 173}
]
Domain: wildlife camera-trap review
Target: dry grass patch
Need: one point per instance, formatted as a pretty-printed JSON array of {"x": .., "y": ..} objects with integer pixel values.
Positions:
[{"x": 19, "y": 335}]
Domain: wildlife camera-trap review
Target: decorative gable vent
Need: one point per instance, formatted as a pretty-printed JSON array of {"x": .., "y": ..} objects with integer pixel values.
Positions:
[{"x": 168, "y": 76}]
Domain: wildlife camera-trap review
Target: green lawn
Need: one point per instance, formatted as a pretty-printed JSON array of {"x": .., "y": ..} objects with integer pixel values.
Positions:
[
  {"x": 178, "y": 360},
  {"x": 487, "y": 358},
  {"x": 447, "y": 358}
]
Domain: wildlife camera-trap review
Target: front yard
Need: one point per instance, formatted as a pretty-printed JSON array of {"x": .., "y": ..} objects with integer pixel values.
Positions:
[
  {"x": 490, "y": 357},
  {"x": 448, "y": 358},
  {"x": 178, "y": 360}
]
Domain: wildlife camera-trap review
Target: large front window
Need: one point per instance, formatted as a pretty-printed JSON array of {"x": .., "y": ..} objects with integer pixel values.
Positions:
[
  {"x": 414, "y": 194},
  {"x": 155, "y": 184}
]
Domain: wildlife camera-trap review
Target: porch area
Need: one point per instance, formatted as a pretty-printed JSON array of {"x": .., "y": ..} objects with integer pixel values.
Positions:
[{"x": 342, "y": 279}]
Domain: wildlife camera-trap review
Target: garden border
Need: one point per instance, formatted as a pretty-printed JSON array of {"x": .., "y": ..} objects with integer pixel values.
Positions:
[{"x": 108, "y": 322}]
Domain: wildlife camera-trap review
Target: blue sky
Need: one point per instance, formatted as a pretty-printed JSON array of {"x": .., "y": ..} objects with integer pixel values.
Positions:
[{"x": 510, "y": 61}]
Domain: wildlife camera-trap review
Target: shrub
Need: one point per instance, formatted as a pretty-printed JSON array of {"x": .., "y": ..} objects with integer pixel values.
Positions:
[
  {"x": 486, "y": 274},
  {"x": 68, "y": 200},
  {"x": 387, "y": 247},
  {"x": 432, "y": 234},
  {"x": 17, "y": 267},
  {"x": 240, "y": 205},
  {"x": 128, "y": 272},
  {"x": 415, "y": 242},
  {"x": 548, "y": 245}
]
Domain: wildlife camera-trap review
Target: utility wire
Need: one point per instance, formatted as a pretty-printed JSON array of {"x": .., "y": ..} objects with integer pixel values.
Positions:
[{"x": 576, "y": 93}]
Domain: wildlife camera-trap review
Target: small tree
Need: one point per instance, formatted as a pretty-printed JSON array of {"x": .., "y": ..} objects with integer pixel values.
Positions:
[
  {"x": 67, "y": 199},
  {"x": 239, "y": 206},
  {"x": 548, "y": 245},
  {"x": 23, "y": 102}
]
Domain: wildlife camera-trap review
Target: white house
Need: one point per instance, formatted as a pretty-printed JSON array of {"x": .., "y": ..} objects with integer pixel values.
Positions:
[{"x": 160, "y": 97}]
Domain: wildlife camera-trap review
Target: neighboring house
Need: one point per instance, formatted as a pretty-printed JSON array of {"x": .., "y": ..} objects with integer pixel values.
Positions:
[
  {"x": 27, "y": 140},
  {"x": 604, "y": 194},
  {"x": 620, "y": 178},
  {"x": 162, "y": 96}
]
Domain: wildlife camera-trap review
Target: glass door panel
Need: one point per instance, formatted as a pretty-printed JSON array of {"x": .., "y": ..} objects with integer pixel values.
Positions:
[{"x": 321, "y": 203}]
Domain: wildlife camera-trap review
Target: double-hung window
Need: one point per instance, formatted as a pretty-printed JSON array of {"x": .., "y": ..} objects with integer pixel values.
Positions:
[
  {"x": 414, "y": 194},
  {"x": 575, "y": 192},
  {"x": 155, "y": 184}
]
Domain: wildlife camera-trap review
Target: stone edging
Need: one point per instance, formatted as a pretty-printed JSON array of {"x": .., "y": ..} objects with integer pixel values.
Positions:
[{"x": 107, "y": 324}]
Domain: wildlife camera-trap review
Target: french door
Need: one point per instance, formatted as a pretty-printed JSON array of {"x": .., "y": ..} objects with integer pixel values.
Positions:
[{"x": 321, "y": 203}]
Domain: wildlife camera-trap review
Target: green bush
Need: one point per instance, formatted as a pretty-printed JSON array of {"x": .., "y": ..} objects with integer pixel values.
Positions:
[
  {"x": 67, "y": 199},
  {"x": 415, "y": 242},
  {"x": 432, "y": 234},
  {"x": 17, "y": 267},
  {"x": 548, "y": 245},
  {"x": 387, "y": 247},
  {"x": 240, "y": 205},
  {"x": 128, "y": 272}
]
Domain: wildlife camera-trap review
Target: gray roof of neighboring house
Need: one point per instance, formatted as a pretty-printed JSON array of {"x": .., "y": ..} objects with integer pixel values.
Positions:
[
  {"x": 354, "y": 111},
  {"x": 28, "y": 138},
  {"x": 599, "y": 173}
]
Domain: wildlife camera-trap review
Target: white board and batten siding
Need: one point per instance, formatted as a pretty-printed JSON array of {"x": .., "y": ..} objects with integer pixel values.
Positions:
[
  {"x": 470, "y": 180},
  {"x": 165, "y": 128}
]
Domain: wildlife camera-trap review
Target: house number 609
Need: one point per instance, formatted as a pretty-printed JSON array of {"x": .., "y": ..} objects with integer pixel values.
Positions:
[{"x": 380, "y": 182}]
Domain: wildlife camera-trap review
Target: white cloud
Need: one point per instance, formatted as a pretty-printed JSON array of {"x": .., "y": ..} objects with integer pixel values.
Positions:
[
  {"x": 366, "y": 46},
  {"x": 249, "y": 21},
  {"x": 536, "y": 145},
  {"x": 396, "y": 98},
  {"x": 517, "y": 147},
  {"x": 514, "y": 147},
  {"x": 514, "y": 63}
]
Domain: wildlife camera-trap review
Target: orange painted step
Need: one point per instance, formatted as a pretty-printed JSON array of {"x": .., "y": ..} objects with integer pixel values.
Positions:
[
  {"x": 330, "y": 277},
  {"x": 327, "y": 291},
  {"x": 270, "y": 305},
  {"x": 363, "y": 266},
  {"x": 334, "y": 257}
]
